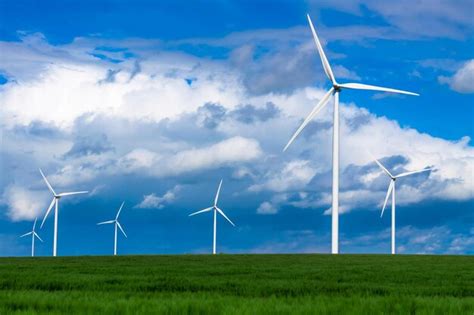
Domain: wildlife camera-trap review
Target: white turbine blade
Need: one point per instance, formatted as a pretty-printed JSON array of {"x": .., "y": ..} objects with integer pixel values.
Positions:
[
  {"x": 106, "y": 222},
  {"x": 36, "y": 234},
  {"x": 217, "y": 194},
  {"x": 72, "y": 193},
  {"x": 118, "y": 213},
  {"x": 120, "y": 227},
  {"x": 311, "y": 115},
  {"x": 47, "y": 183},
  {"x": 413, "y": 172},
  {"x": 324, "y": 60},
  {"x": 26, "y": 234},
  {"x": 34, "y": 224},
  {"x": 390, "y": 188},
  {"x": 359, "y": 86},
  {"x": 201, "y": 211},
  {"x": 383, "y": 167},
  {"x": 223, "y": 214},
  {"x": 47, "y": 212}
]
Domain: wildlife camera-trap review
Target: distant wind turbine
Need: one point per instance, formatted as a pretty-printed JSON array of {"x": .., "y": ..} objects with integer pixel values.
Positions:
[
  {"x": 391, "y": 189},
  {"x": 216, "y": 209},
  {"x": 116, "y": 224},
  {"x": 33, "y": 235},
  {"x": 335, "y": 90},
  {"x": 55, "y": 203}
]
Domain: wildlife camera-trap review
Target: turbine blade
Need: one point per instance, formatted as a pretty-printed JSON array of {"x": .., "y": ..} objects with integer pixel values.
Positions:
[
  {"x": 106, "y": 222},
  {"x": 311, "y": 115},
  {"x": 324, "y": 60},
  {"x": 47, "y": 212},
  {"x": 26, "y": 234},
  {"x": 72, "y": 193},
  {"x": 359, "y": 86},
  {"x": 36, "y": 234},
  {"x": 390, "y": 188},
  {"x": 47, "y": 183},
  {"x": 34, "y": 224},
  {"x": 118, "y": 213},
  {"x": 201, "y": 211},
  {"x": 120, "y": 227},
  {"x": 217, "y": 194},
  {"x": 223, "y": 214},
  {"x": 383, "y": 167},
  {"x": 413, "y": 172}
]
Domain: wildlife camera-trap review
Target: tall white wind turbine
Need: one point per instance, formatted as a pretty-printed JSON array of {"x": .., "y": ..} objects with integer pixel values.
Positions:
[
  {"x": 335, "y": 90},
  {"x": 33, "y": 235},
  {"x": 216, "y": 209},
  {"x": 116, "y": 225},
  {"x": 391, "y": 190},
  {"x": 55, "y": 203}
]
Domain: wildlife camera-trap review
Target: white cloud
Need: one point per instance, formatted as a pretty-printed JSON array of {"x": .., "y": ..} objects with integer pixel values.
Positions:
[
  {"x": 150, "y": 119},
  {"x": 463, "y": 80},
  {"x": 267, "y": 208},
  {"x": 435, "y": 240},
  {"x": 233, "y": 150},
  {"x": 24, "y": 204},
  {"x": 152, "y": 201},
  {"x": 363, "y": 132},
  {"x": 295, "y": 174}
]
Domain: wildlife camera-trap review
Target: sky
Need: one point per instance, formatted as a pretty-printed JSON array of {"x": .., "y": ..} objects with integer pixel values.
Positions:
[{"x": 153, "y": 103}]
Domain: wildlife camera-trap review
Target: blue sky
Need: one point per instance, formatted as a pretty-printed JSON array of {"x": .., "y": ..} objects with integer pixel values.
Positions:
[{"x": 155, "y": 103}]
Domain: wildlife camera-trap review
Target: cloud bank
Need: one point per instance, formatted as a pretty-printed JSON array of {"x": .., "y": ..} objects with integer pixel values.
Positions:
[{"x": 168, "y": 115}]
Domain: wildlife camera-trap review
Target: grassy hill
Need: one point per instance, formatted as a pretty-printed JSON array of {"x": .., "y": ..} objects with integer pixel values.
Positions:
[{"x": 238, "y": 284}]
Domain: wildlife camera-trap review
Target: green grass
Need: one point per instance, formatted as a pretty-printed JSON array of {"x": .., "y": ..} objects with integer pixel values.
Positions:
[{"x": 238, "y": 284}]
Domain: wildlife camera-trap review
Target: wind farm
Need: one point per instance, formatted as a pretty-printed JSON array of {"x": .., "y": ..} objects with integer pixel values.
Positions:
[{"x": 174, "y": 126}]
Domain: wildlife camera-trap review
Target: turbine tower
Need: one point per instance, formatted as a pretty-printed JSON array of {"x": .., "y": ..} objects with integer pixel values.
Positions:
[
  {"x": 335, "y": 90},
  {"x": 55, "y": 203},
  {"x": 33, "y": 235},
  {"x": 216, "y": 209},
  {"x": 391, "y": 190},
  {"x": 116, "y": 225}
]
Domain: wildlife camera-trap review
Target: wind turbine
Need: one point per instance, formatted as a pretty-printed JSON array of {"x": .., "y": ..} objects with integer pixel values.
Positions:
[
  {"x": 55, "y": 203},
  {"x": 335, "y": 90},
  {"x": 33, "y": 235},
  {"x": 391, "y": 189},
  {"x": 116, "y": 224},
  {"x": 216, "y": 209}
]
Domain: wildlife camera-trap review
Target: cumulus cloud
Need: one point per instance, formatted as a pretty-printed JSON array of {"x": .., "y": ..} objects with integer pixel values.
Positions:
[
  {"x": 151, "y": 120},
  {"x": 23, "y": 203},
  {"x": 295, "y": 174},
  {"x": 362, "y": 182},
  {"x": 152, "y": 201},
  {"x": 232, "y": 150},
  {"x": 266, "y": 208},
  {"x": 435, "y": 240},
  {"x": 463, "y": 80}
]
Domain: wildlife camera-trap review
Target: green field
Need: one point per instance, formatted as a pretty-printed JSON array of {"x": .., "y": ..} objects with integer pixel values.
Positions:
[{"x": 238, "y": 284}]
